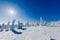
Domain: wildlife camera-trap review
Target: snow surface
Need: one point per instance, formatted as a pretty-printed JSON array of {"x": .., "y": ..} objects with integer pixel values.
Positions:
[{"x": 33, "y": 33}]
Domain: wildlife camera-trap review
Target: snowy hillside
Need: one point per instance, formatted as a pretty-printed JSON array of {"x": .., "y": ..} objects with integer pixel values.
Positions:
[{"x": 33, "y": 33}]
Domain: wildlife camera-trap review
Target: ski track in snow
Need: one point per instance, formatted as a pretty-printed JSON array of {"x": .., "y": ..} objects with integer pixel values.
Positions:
[{"x": 32, "y": 33}]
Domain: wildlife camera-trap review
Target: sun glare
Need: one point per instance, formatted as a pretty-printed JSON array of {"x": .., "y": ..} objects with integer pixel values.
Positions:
[{"x": 11, "y": 12}]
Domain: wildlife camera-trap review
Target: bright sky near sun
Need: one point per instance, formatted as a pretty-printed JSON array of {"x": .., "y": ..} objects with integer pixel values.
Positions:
[{"x": 10, "y": 11}]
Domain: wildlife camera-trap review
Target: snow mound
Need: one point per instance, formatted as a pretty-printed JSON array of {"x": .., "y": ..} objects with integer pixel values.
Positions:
[{"x": 33, "y": 33}]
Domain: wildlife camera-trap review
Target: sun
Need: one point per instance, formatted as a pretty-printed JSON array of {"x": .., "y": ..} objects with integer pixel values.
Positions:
[{"x": 11, "y": 12}]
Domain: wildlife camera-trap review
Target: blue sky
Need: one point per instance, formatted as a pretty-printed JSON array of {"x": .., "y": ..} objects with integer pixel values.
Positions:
[{"x": 32, "y": 10}]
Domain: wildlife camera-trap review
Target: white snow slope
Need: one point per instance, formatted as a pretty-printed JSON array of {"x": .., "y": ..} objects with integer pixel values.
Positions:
[{"x": 33, "y": 33}]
